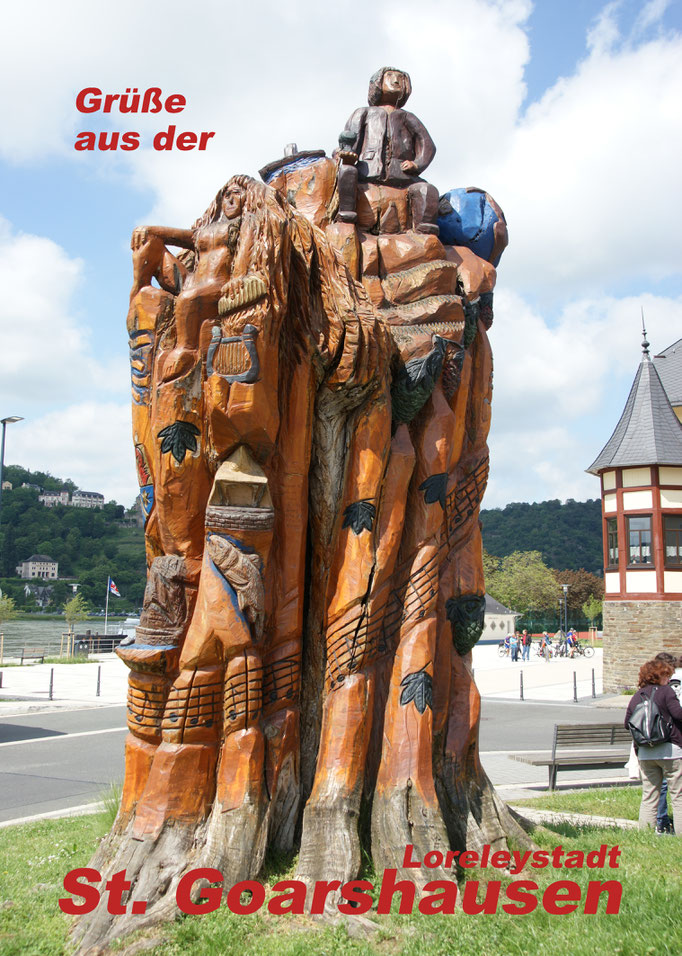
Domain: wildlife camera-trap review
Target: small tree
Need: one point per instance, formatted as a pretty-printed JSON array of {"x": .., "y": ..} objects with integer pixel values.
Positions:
[
  {"x": 76, "y": 609},
  {"x": 592, "y": 608},
  {"x": 7, "y": 609},
  {"x": 524, "y": 582}
]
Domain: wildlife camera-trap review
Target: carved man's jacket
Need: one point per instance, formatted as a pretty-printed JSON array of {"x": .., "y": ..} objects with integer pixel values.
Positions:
[{"x": 383, "y": 140}]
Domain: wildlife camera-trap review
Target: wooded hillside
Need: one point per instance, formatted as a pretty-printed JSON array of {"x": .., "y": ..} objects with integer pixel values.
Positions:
[
  {"x": 568, "y": 536},
  {"x": 92, "y": 544},
  {"x": 89, "y": 544}
]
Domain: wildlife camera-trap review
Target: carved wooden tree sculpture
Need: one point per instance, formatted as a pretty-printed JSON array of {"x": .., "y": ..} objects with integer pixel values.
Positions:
[{"x": 311, "y": 382}]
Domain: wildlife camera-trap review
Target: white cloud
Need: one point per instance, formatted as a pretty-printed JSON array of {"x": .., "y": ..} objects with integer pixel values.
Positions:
[
  {"x": 73, "y": 426},
  {"x": 559, "y": 389},
  {"x": 89, "y": 442},
  {"x": 605, "y": 33},
  {"x": 589, "y": 181},
  {"x": 260, "y": 77},
  {"x": 46, "y": 354}
]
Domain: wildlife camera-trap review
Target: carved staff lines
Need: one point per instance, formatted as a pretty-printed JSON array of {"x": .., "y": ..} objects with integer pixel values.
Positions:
[
  {"x": 193, "y": 706},
  {"x": 462, "y": 501},
  {"x": 281, "y": 679},
  {"x": 352, "y": 646},
  {"x": 145, "y": 707},
  {"x": 359, "y": 641},
  {"x": 243, "y": 691}
]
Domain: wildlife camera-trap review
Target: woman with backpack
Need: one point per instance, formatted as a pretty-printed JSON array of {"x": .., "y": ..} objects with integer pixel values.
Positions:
[{"x": 654, "y": 718}]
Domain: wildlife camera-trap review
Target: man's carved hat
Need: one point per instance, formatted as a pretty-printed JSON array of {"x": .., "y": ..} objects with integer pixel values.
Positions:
[{"x": 375, "y": 92}]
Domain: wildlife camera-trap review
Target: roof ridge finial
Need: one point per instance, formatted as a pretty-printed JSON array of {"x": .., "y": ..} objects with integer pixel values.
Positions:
[{"x": 645, "y": 344}]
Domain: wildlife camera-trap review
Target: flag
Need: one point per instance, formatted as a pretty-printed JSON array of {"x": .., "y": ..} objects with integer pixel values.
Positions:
[{"x": 113, "y": 589}]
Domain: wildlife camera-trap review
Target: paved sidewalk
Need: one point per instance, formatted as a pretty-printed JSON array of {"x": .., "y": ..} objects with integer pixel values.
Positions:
[
  {"x": 542, "y": 680},
  {"x": 26, "y": 689}
]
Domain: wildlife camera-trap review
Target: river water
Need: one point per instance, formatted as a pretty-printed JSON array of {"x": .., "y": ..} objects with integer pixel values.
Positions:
[{"x": 47, "y": 635}]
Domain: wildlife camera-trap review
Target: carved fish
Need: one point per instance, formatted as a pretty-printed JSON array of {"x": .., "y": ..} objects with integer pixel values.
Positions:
[{"x": 243, "y": 572}]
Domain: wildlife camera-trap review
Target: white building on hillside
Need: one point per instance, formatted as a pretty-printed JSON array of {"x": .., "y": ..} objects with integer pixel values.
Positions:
[
  {"x": 52, "y": 498},
  {"x": 87, "y": 499},
  {"x": 38, "y": 566}
]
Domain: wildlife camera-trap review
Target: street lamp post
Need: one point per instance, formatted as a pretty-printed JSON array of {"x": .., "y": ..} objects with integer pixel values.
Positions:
[
  {"x": 5, "y": 422},
  {"x": 564, "y": 588}
]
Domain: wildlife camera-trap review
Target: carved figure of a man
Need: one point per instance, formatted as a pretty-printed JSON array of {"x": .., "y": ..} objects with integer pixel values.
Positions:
[{"x": 385, "y": 144}]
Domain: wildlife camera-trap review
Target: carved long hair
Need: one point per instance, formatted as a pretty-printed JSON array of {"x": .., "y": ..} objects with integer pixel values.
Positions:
[
  {"x": 254, "y": 199},
  {"x": 261, "y": 206},
  {"x": 375, "y": 93}
]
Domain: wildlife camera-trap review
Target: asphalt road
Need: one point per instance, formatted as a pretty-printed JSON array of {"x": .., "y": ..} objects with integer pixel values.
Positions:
[{"x": 57, "y": 760}]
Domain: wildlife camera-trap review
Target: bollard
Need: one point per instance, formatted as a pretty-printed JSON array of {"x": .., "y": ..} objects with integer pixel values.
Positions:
[
  {"x": 0, "y": 679},
  {"x": 521, "y": 683},
  {"x": 51, "y": 681},
  {"x": 594, "y": 690},
  {"x": 99, "y": 679},
  {"x": 575, "y": 687}
]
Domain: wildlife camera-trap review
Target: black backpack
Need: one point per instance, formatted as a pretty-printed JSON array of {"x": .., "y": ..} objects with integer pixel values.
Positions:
[{"x": 646, "y": 723}]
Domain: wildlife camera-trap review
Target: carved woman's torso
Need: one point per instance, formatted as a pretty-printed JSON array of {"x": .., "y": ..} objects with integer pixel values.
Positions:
[{"x": 215, "y": 246}]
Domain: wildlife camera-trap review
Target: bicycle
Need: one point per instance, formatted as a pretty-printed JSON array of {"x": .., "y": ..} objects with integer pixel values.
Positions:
[{"x": 585, "y": 650}]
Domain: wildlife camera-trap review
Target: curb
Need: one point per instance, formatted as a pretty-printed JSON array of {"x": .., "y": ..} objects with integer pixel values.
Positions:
[{"x": 533, "y": 815}]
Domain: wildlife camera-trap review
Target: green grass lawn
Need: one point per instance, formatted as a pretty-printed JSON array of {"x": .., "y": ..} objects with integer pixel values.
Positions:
[
  {"x": 620, "y": 802},
  {"x": 35, "y": 857}
]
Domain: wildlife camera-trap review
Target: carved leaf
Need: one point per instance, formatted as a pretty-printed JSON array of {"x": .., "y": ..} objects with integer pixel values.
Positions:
[
  {"x": 359, "y": 516},
  {"x": 417, "y": 687},
  {"x": 471, "y": 323},
  {"x": 434, "y": 488},
  {"x": 178, "y": 439},
  {"x": 425, "y": 370},
  {"x": 414, "y": 383}
]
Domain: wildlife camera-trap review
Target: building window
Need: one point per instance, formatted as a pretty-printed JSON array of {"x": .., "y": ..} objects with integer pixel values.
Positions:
[
  {"x": 639, "y": 541},
  {"x": 611, "y": 542},
  {"x": 672, "y": 531}
]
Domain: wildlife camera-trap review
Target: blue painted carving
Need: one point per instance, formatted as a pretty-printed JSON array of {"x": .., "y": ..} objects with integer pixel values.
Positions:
[
  {"x": 470, "y": 222},
  {"x": 248, "y": 340},
  {"x": 147, "y": 498},
  {"x": 141, "y": 344}
]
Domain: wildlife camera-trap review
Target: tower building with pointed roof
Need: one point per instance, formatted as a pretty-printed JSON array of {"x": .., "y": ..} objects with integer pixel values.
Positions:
[{"x": 640, "y": 469}]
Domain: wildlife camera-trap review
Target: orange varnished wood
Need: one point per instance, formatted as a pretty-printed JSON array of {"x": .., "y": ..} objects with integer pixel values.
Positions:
[
  {"x": 240, "y": 773},
  {"x": 180, "y": 787},
  {"x": 344, "y": 740},
  {"x": 139, "y": 755}
]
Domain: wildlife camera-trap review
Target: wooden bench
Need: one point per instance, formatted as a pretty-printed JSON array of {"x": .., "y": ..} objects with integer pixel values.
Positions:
[
  {"x": 33, "y": 654},
  {"x": 582, "y": 747}
]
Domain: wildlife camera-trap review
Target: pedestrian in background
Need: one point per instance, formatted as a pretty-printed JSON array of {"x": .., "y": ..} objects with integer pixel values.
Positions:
[
  {"x": 664, "y": 822},
  {"x": 526, "y": 641},
  {"x": 662, "y": 761}
]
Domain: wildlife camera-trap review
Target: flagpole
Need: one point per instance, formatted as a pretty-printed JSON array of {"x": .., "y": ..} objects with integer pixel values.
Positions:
[{"x": 106, "y": 607}]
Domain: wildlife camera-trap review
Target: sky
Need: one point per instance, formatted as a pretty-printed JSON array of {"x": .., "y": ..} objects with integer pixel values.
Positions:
[{"x": 568, "y": 114}]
